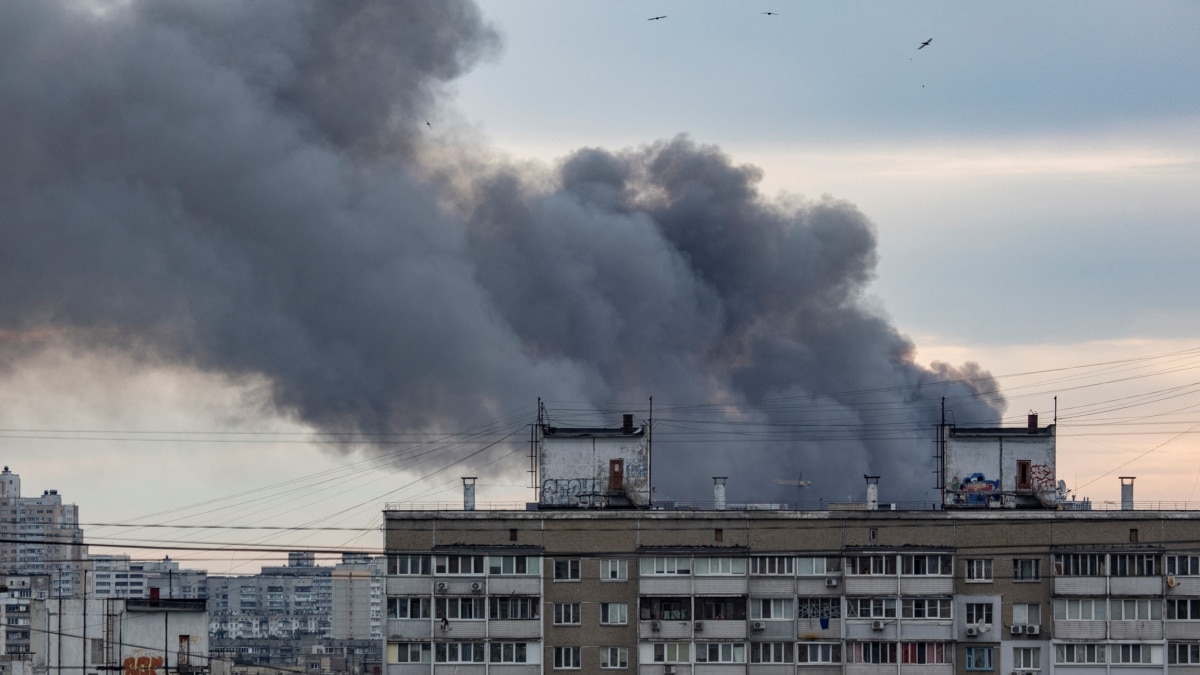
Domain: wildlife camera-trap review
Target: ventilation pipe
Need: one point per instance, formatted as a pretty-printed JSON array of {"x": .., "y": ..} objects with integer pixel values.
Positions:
[
  {"x": 468, "y": 493},
  {"x": 1127, "y": 493},
  {"x": 872, "y": 492},
  {"x": 627, "y": 423},
  {"x": 719, "y": 492},
  {"x": 1033, "y": 428}
]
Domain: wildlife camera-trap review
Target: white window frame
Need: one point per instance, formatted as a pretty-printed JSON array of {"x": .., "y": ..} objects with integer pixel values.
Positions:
[
  {"x": 819, "y": 652},
  {"x": 772, "y": 609},
  {"x": 618, "y": 654},
  {"x": 979, "y": 570},
  {"x": 403, "y": 564},
  {"x": 463, "y": 652},
  {"x": 713, "y": 567},
  {"x": 671, "y": 652},
  {"x": 614, "y": 613},
  {"x": 1135, "y": 653},
  {"x": 1080, "y": 609},
  {"x": 1135, "y": 609},
  {"x": 1027, "y": 614},
  {"x": 459, "y": 565},
  {"x": 567, "y": 569},
  {"x": 1027, "y": 570},
  {"x": 927, "y": 565},
  {"x": 1189, "y": 651},
  {"x": 773, "y": 565},
  {"x": 871, "y": 608},
  {"x": 818, "y": 566},
  {"x": 724, "y": 652},
  {"x": 658, "y": 566},
  {"x": 1080, "y": 653},
  {"x": 772, "y": 652},
  {"x": 567, "y": 658},
  {"x": 614, "y": 569},
  {"x": 927, "y": 608},
  {"x": 1183, "y": 565},
  {"x": 567, "y": 614},
  {"x": 410, "y": 652},
  {"x": 514, "y": 565},
  {"x": 509, "y": 652},
  {"x": 1027, "y": 658}
]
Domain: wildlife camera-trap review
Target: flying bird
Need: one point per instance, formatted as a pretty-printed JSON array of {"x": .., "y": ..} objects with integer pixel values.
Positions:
[
  {"x": 428, "y": 124},
  {"x": 771, "y": 13},
  {"x": 925, "y": 44},
  {"x": 656, "y": 18}
]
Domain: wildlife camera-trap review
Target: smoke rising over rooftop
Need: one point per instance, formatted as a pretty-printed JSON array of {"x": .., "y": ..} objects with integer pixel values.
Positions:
[{"x": 238, "y": 188}]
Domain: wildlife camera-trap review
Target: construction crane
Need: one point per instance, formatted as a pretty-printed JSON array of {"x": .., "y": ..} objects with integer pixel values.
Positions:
[{"x": 800, "y": 485}]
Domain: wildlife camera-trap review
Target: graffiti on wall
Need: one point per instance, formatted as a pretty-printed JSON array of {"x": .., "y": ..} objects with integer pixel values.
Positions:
[
  {"x": 1042, "y": 477},
  {"x": 568, "y": 491},
  {"x": 142, "y": 665}
]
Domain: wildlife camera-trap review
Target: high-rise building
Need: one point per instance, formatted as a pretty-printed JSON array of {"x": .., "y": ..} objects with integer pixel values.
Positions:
[{"x": 41, "y": 535}]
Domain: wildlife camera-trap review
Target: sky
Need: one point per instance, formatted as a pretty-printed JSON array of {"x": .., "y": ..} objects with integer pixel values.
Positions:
[{"x": 268, "y": 267}]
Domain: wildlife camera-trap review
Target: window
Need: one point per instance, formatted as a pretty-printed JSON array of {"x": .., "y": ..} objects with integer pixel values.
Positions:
[
  {"x": 871, "y": 565},
  {"x": 979, "y": 570},
  {"x": 458, "y": 608},
  {"x": 720, "y": 652},
  {"x": 1135, "y": 609},
  {"x": 773, "y": 565},
  {"x": 566, "y": 658},
  {"x": 1027, "y": 614},
  {"x": 513, "y": 607},
  {"x": 924, "y": 652},
  {"x": 979, "y": 658},
  {"x": 871, "y": 652},
  {"x": 1082, "y": 609},
  {"x": 671, "y": 652},
  {"x": 1023, "y": 477},
  {"x": 1079, "y": 565},
  {"x": 652, "y": 566},
  {"x": 614, "y": 658},
  {"x": 771, "y": 608},
  {"x": 566, "y": 613},
  {"x": 508, "y": 652},
  {"x": 926, "y": 608},
  {"x": 1079, "y": 653},
  {"x": 408, "y": 608},
  {"x": 1135, "y": 654},
  {"x": 819, "y": 608},
  {"x": 1183, "y": 609},
  {"x": 871, "y": 608},
  {"x": 614, "y": 613},
  {"x": 408, "y": 565},
  {"x": 721, "y": 609},
  {"x": 666, "y": 609},
  {"x": 1183, "y": 653},
  {"x": 979, "y": 613},
  {"x": 459, "y": 652},
  {"x": 927, "y": 565},
  {"x": 771, "y": 652},
  {"x": 458, "y": 564},
  {"x": 818, "y": 567},
  {"x": 1027, "y": 658},
  {"x": 1183, "y": 565},
  {"x": 614, "y": 570},
  {"x": 1136, "y": 565},
  {"x": 514, "y": 565},
  {"x": 409, "y": 652},
  {"x": 819, "y": 653},
  {"x": 1027, "y": 569},
  {"x": 566, "y": 570},
  {"x": 720, "y": 566}
]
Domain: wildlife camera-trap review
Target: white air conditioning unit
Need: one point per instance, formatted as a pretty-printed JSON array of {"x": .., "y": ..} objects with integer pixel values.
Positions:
[
  {"x": 972, "y": 631},
  {"x": 1017, "y": 630},
  {"x": 442, "y": 586},
  {"x": 699, "y": 625},
  {"x": 1033, "y": 630},
  {"x": 831, "y": 582},
  {"x": 655, "y": 626},
  {"x": 477, "y": 586},
  {"x": 669, "y": 669},
  {"x": 877, "y": 625},
  {"x": 758, "y": 625}
]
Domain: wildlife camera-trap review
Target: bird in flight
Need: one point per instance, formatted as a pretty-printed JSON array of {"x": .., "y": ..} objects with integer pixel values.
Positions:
[
  {"x": 428, "y": 124},
  {"x": 925, "y": 44},
  {"x": 656, "y": 18},
  {"x": 771, "y": 13}
]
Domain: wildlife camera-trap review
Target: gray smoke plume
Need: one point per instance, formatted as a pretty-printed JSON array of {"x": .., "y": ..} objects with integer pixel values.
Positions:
[{"x": 238, "y": 187}]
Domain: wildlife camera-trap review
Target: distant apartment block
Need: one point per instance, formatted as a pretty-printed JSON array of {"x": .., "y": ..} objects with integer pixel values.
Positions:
[
  {"x": 117, "y": 576},
  {"x": 41, "y": 535}
]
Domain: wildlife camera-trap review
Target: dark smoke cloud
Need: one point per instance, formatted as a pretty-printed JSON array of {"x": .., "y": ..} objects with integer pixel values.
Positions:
[{"x": 237, "y": 187}]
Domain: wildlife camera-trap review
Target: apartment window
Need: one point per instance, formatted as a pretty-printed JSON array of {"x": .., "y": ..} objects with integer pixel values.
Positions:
[
  {"x": 1183, "y": 609},
  {"x": 924, "y": 652},
  {"x": 614, "y": 570},
  {"x": 1079, "y": 565},
  {"x": 1135, "y": 609},
  {"x": 871, "y": 652},
  {"x": 819, "y": 608},
  {"x": 566, "y": 613},
  {"x": 458, "y": 608},
  {"x": 513, "y": 607},
  {"x": 1136, "y": 565},
  {"x": 1135, "y": 653},
  {"x": 459, "y": 652},
  {"x": 1183, "y": 653},
  {"x": 1079, "y": 653},
  {"x": 979, "y": 658},
  {"x": 409, "y": 652},
  {"x": 979, "y": 613},
  {"x": 514, "y": 565},
  {"x": 979, "y": 570},
  {"x": 926, "y": 608},
  {"x": 614, "y": 613},
  {"x": 720, "y": 652},
  {"x": 819, "y": 653},
  {"x": 408, "y": 608},
  {"x": 614, "y": 658},
  {"x": 771, "y": 652},
  {"x": 508, "y": 652},
  {"x": 1183, "y": 565},
  {"x": 654, "y": 566},
  {"x": 672, "y": 652},
  {"x": 1027, "y": 614},
  {"x": 871, "y": 608},
  {"x": 720, "y": 566},
  {"x": 722, "y": 608},
  {"x": 875, "y": 565},
  {"x": 1082, "y": 609},
  {"x": 458, "y": 564},
  {"x": 666, "y": 609},
  {"x": 566, "y": 570},
  {"x": 1027, "y": 569},
  {"x": 927, "y": 565},
  {"x": 566, "y": 658},
  {"x": 771, "y": 608},
  {"x": 773, "y": 565},
  {"x": 818, "y": 567},
  {"x": 1027, "y": 658}
]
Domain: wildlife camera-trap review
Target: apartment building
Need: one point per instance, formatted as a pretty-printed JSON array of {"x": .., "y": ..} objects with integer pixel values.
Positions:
[
  {"x": 41, "y": 535},
  {"x": 18, "y": 592},
  {"x": 594, "y": 578},
  {"x": 118, "y": 576}
]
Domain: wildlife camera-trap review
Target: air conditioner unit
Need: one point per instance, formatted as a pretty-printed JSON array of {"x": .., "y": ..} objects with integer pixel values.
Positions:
[
  {"x": 655, "y": 626},
  {"x": 831, "y": 582},
  {"x": 759, "y": 625},
  {"x": 1033, "y": 630},
  {"x": 1017, "y": 630},
  {"x": 669, "y": 669},
  {"x": 699, "y": 625},
  {"x": 972, "y": 631},
  {"x": 477, "y": 586},
  {"x": 877, "y": 625},
  {"x": 442, "y": 586}
]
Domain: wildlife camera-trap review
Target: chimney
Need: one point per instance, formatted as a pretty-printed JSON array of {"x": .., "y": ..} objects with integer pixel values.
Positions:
[
  {"x": 1033, "y": 429},
  {"x": 872, "y": 492},
  {"x": 627, "y": 423},
  {"x": 719, "y": 492},
  {"x": 468, "y": 493},
  {"x": 1127, "y": 493}
]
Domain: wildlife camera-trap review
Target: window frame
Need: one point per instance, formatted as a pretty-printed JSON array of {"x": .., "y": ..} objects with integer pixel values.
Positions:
[{"x": 567, "y": 569}]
